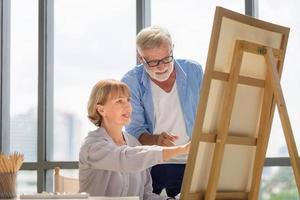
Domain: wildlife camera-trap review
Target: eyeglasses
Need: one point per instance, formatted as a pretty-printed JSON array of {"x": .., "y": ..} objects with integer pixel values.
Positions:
[{"x": 155, "y": 63}]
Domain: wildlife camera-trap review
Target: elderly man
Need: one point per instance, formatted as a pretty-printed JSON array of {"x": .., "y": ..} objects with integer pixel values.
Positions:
[{"x": 164, "y": 97}]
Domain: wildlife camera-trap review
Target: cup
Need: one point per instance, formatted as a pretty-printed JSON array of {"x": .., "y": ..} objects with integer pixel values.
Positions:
[{"x": 7, "y": 185}]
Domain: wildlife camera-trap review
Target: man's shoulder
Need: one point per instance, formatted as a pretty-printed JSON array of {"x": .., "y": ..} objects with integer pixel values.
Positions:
[
  {"x": 134, "y": 73},
  {"x": 133, "y": 78},
  {"x": 189, "y": 66},
  {"x": 187, "y": 62}
]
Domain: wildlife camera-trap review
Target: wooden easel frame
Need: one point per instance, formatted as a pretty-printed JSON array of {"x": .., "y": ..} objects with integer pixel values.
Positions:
[{"x": 273, "y": 95}]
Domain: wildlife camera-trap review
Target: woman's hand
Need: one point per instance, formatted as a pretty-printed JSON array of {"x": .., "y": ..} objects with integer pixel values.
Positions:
[
  {"x": 170, "y": 152},
  {"x": 186, "y": 147}
]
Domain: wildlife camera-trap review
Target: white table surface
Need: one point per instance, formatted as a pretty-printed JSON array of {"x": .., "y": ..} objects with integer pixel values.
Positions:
[{"x": 92, "y": 198}]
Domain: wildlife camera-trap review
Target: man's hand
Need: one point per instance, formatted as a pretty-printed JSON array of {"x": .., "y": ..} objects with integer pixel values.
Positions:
[{"x": 165, "y": 139}]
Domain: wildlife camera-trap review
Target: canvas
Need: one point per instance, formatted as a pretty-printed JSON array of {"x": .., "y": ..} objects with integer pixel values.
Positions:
[{"x": 239, "y": 92}]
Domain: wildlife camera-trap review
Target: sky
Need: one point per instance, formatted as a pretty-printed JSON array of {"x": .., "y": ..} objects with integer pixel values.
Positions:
[{"x": 95, "y": 39}]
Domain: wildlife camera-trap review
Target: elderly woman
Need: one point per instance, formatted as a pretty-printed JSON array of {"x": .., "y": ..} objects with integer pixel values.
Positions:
[{"x": 112, "y": 162}]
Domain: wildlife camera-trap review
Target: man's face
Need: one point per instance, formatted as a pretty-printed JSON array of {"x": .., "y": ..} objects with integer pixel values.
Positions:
[{"x": 158, "y": 62}]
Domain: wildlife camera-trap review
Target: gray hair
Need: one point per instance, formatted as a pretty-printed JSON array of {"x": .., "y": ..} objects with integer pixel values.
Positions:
[{"x": 152, "y": 37}]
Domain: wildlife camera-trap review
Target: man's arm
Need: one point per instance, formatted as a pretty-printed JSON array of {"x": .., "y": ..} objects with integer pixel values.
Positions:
[
  {"x": 148, "y": 139},
  {"x": 163, "y": 139}
]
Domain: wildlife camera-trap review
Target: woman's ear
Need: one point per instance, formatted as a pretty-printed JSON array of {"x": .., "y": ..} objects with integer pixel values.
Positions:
[{"x": 100, "y": 109}]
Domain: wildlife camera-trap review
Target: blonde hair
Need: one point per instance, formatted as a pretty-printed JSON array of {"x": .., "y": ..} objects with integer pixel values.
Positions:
[
  {"x": 101, "y": 92},
  {"x": 152, "y": 37}
]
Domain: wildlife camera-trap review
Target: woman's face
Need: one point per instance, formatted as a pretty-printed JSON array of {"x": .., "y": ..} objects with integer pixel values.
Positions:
[{"x": 117, "y": 110}]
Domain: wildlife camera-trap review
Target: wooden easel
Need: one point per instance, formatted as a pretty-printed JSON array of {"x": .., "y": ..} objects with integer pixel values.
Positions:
[{"x": 272, "y": 94}]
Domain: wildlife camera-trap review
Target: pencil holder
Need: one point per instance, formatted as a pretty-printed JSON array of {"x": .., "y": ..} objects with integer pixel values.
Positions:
[
  {"x": 7, "y": 185},
  {"x": 9, "y": 166}
]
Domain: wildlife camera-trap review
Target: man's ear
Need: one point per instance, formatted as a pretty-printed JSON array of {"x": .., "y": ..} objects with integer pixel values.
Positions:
[
  {"x": 100, "y": 109},
  {"x": 139, "y": 57}
]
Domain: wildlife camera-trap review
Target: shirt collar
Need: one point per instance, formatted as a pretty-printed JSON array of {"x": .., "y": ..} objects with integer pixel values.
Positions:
[{"x": 104, "y": 133}]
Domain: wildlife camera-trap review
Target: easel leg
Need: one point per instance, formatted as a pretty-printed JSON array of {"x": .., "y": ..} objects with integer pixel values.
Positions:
[
  {"x": 286, "y": 125},
  {"x": 262, "y": 139},
  {"x": 224, "y": 122}
]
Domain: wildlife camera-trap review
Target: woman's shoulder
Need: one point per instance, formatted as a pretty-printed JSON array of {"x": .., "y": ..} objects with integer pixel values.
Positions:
[
  {"x": 95, "y": 136},
  {"x": 131, "y": 140}
]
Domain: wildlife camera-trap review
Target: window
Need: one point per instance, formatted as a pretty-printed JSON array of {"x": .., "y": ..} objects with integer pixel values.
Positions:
[
  {"x": 23, "y": 62},
  {"x": 190, "y": 24},
  {"x": 26, "y": 182},
  {"x": 278, "y": 183},
  {"x": 23, "y": 87},
  {"x": 92, "y": 41},
  {"x": 286, "y": 14}
]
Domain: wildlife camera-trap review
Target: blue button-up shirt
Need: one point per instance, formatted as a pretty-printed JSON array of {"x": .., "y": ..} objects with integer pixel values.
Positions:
[{"x": 189, "y": 76}]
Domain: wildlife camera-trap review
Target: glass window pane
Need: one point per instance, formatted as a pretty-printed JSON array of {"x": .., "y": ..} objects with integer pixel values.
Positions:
[
  {"x": 26, "y": 182},
  {"x": 290, "y": 82},
  {"x": 278, "y": 183},
  {"x": 23, "y": 81},
  {"x": 92, "y": 41},
  {"x": 190, "y": 24}
]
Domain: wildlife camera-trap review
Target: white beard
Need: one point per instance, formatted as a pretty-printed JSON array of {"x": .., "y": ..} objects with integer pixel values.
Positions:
[{"x": 160, "y": 77}]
